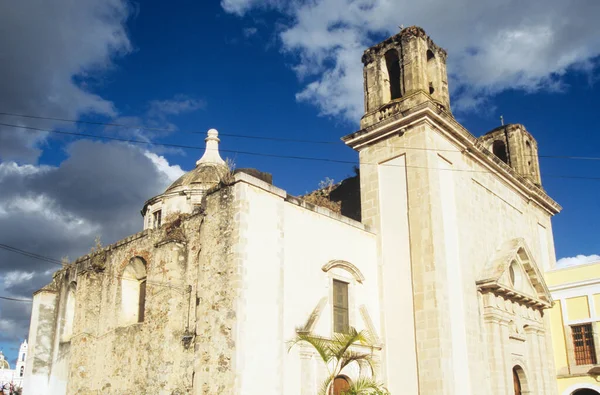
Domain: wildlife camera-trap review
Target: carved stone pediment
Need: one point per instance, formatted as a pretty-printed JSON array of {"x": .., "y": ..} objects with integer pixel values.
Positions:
[{"x": 513, "y": 274}]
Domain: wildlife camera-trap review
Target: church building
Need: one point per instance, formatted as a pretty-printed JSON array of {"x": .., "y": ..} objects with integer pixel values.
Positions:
[{"x": 441, "y": 262}]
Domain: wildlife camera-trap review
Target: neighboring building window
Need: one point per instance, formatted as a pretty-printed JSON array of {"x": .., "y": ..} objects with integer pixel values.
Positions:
[
  {"x": 341, "y": 321},
  {"x": 156, "y": 219},
  {"x": 133, "y": 292},
  {"x": 392, "y": 62},
  {"x": 583, "y": 344}
]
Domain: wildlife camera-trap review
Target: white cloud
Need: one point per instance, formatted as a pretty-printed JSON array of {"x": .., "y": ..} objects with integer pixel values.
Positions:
[
  {"x": 577, "y": 260},
  {"x": 178, "y": 105},
  {"x": 171, "y": 172},
  {"x": 51, "y": 50},
  {"x": 250, "y": 31},
  {"x": 16, "y": 277},
  {"x": 492, "y": 46}
]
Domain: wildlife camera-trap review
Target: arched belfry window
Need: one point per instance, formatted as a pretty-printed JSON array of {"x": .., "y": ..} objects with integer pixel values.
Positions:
[
  {"x": 499, "y": 149},
  {"x": 133, "y": 292},
  {"x": 392, "y": 62},
  {"x": 431, "y": 71},
  {"x": 529, "y": 153}
]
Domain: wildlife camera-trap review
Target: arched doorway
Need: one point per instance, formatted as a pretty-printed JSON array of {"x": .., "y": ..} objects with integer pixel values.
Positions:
[
  {"x": 585, "y": 391},
  {"x": 340, "y": 385},
  {"x": 519, "y": 381}
]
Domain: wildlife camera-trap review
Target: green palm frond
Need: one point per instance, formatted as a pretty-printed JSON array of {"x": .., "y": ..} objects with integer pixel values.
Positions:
[
  {"x": 321, "y": 346},
  {"x": 353, "y": 356},
  {"x": 343, "y": 341},
  {"x": 366, "y": 386},
  {"x": 324, "y": 389}
]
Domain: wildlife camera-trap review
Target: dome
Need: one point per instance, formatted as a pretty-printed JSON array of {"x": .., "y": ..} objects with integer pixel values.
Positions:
[
  {"x": 204, "y": 175},
  {"x": 186, "y": 193},
  {"x": 209, "y": 170}
]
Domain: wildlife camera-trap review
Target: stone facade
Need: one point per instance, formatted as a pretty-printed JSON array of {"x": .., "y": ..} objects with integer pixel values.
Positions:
[{"x": 444, "y": 270}]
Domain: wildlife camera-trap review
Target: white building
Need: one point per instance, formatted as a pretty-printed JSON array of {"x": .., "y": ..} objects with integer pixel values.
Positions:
[{"x": 14, "y": 376}]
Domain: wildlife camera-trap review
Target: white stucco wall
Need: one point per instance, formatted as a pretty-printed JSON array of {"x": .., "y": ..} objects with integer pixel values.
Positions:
[{"x": 283, "y": 249}]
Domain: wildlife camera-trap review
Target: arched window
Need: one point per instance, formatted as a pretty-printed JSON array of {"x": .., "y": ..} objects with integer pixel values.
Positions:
[
  {"x": 69, "y": 313},
  {"x": 340, "y": 385},
  {"x": 431, "y": 71},
  {"x": 392, "y": 62},
  {"x": 133, "y": 292},
  {"x": 585, "y": 391},
  {"x": 529, "y": 153},
  {"x": 499, "y": 149},
  {"x": 22, "y": 371}
]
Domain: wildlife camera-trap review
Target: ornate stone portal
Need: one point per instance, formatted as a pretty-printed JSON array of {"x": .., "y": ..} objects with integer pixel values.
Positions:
[{"x": 513, "y": 299}]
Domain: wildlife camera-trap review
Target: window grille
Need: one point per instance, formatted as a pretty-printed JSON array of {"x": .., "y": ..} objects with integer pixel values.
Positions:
[{"x": 583, "y": 344}]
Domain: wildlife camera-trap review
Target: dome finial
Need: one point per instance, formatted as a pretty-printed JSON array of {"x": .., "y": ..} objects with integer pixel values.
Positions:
[{"x": 211, "y": 154}]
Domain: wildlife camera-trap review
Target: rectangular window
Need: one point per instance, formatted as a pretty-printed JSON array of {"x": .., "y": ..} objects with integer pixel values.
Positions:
[
  {"x": 142, "y": 301},
  {"x": 341, "y": 321},
  {"x": 156, "y": 219},
  {"x": 583, "y": 344}
]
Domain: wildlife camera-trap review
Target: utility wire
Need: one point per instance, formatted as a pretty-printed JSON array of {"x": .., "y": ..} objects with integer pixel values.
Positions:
[
  {"x": 280, "y": 139},
  {"x": 59, "y": 263},
  {"x": 31, "y": 254},
  {"x": 16, "y": 300},
  {"x": 308, "y": 158}
]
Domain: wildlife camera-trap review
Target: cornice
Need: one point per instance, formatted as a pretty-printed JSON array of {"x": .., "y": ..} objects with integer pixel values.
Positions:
[{"x": 468, "y": 144}]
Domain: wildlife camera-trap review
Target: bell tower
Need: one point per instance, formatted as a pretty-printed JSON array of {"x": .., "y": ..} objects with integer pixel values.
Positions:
[
  {"x": 516, "y": 147},
  {"x": 398, "y": 69}
]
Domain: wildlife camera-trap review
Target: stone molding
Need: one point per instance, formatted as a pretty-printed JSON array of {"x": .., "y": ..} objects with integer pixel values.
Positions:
[
  {"x": 356, "y": 273},
  {"x": 445, "y": 123}
]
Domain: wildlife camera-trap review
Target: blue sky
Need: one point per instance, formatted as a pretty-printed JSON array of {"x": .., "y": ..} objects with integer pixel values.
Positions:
[{"x": 277, "y": 68}]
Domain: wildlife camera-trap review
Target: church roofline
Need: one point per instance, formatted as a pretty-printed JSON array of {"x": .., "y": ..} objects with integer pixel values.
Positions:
[
  {"x": 468, "y": 143},
  {"x": 404, "y": 35}
]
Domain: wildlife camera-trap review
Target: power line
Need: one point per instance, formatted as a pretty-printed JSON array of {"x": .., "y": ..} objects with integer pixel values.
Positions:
[
  {"x": 280, "y": 139},
  {"x": 57, "y": 262},
  {"x": 30, "y": 254},
  {"x": 16, "y": 300},
  {"x": 308, "y": 158}
]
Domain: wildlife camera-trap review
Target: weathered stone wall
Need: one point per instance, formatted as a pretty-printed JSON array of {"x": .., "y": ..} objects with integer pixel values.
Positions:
[
  {"x": 218, "y": 282},
  {"x": 487, "y": 210},
  {"x": 105, "y": 354}
]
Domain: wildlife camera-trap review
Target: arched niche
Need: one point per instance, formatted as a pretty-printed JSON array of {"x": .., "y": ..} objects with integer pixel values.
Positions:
[{"x": 133, "y": 292}]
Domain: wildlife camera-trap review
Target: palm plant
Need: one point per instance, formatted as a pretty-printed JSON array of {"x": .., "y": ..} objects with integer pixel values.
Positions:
[{"x": 337, "y": 354}]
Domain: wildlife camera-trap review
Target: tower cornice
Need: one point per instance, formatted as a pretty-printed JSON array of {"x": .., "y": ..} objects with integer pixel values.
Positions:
[{"x": 431, "y": 113}]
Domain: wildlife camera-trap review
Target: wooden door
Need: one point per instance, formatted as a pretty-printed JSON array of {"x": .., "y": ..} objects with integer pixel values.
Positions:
[
  {"x": 517, "y": 382},
  {"x": 340, "y": 385}
]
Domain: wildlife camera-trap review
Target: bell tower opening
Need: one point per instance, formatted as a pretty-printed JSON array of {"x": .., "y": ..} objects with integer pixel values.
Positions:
[
  {"x": 499, "y": 149},
  {"x": 392, "y": 61},
  {"x": 403, "y": 72},
  {"x": 431, "y": 71},
  {"x": 516, "y": 147}
]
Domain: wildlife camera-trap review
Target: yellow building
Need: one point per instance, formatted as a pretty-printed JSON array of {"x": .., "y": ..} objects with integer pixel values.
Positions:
[{"x": 575, "y": 320}]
